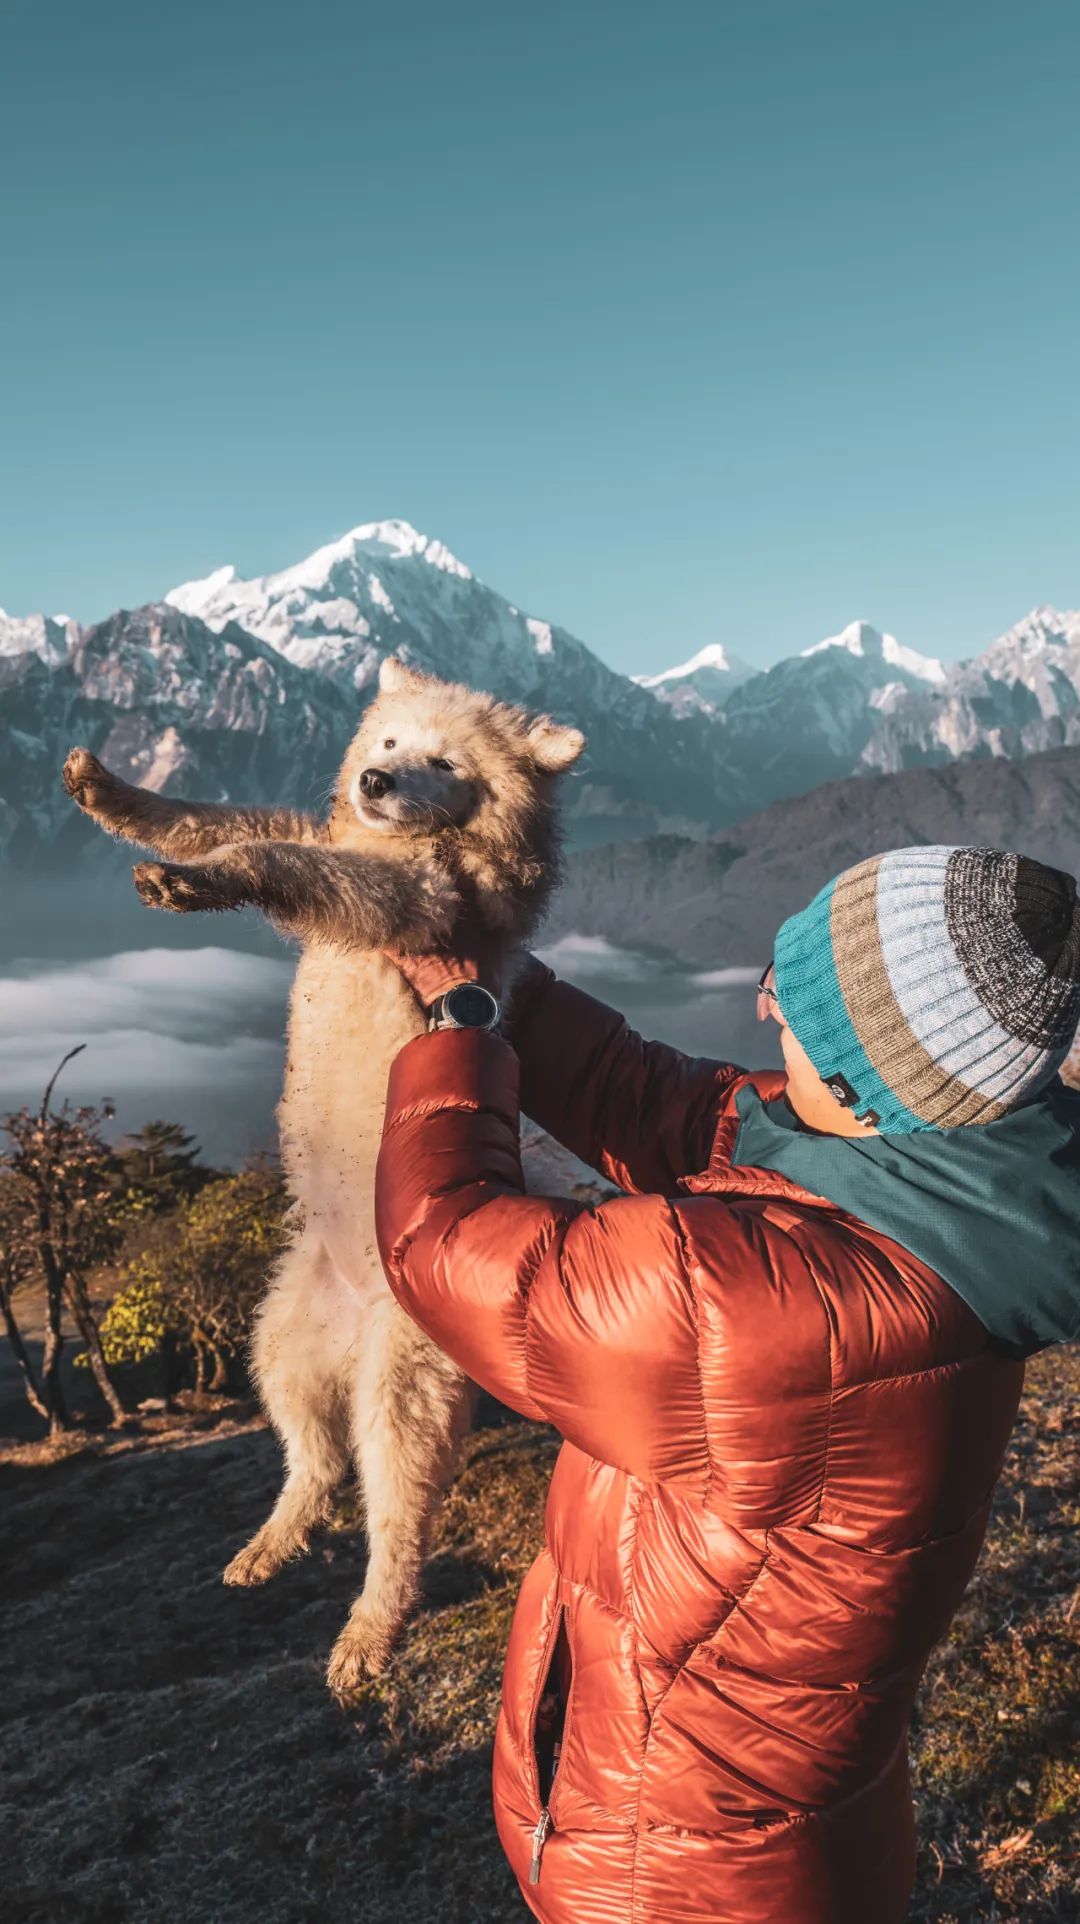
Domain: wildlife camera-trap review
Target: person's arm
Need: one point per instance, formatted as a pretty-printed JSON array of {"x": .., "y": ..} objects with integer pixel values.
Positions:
[
  {"x": 584, "y": 1317},
  {"x": 642, "y": 1112}
]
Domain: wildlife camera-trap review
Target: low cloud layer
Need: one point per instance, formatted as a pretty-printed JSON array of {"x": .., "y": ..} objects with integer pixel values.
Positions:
[
  {"x": 197, "y": 1035},
  {"x": 710, "y": 1013},
  {"x": 588, "y": 958}
]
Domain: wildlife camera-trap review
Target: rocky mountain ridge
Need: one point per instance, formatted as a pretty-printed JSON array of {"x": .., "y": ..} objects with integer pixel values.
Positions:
[
  {"x": 171, "y": 705},
  {"x": 718, "y": 902},
  {"x": 1021, "y": 695},
  {"x": 250, "y": 689},
  {"x": 211, "y": 709},
  {"x": 860, "y": 700}
]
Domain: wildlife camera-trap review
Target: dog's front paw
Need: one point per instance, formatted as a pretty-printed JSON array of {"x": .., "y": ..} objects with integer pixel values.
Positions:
[
  {"x": 169, "y": 885},
  {"x": 362, "y": 1652},
  {"x": 89, "y": 783}
]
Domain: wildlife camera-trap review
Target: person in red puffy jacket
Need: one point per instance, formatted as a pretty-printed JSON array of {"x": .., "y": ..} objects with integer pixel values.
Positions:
[{"x": 785, "y": 1363}]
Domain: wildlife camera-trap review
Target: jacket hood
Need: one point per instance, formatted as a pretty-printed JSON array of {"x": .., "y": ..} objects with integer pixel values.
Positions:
[{"x": 993, "y": 1208}]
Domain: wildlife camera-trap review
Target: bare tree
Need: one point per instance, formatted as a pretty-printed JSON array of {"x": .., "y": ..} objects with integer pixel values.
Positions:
[
  {"x": 61, "y": 1221},
  {"x": 16, "y": 1270}
]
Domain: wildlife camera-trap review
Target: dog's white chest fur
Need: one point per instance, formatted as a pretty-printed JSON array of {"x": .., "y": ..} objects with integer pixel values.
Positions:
[{"x": 349, "y": 1016}]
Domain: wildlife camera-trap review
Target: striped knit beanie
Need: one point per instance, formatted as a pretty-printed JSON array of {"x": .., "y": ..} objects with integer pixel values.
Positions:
[{"x": 934, "y": 986}]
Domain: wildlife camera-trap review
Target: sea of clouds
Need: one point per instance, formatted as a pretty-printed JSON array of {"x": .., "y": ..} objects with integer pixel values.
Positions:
[
  {"x": 190, "y": 1035},
  {"x": 196, "y": 1035}
]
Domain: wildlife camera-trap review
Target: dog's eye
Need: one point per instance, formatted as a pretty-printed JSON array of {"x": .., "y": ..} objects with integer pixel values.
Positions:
[
  {"x": 389, "y": 742},
  {"x": 440, "y": 761}
]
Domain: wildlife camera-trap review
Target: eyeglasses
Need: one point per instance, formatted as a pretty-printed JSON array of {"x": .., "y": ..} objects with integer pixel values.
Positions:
[{"x": 766, "y": 994}]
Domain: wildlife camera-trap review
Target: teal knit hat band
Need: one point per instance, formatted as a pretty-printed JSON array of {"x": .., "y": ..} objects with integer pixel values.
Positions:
[{"x": 936, "y": 986}]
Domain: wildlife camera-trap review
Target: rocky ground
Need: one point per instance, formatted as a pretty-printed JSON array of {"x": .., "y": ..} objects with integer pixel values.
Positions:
[{"x": 169, "y": 1754}]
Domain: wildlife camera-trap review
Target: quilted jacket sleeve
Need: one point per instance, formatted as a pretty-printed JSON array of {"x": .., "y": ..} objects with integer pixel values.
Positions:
[
  {"x": 578, "y": 1316},
  {"x": 640, "y": 1111}
]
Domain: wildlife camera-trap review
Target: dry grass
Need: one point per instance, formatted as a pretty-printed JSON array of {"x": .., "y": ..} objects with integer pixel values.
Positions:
[
  {"x": 997, "y": 1735},
  {"x": 170, "y": 1752}
]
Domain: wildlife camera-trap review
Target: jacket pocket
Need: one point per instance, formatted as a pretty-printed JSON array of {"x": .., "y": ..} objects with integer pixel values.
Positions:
[
  {"x": 549, "y": 1729},
  {"x": 551, "y": 1722}
]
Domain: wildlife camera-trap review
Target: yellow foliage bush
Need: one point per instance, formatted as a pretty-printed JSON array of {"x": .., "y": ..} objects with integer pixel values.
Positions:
[
  {"x": 198, "y": 1271},
  {"x": 136, "y": 1320}
]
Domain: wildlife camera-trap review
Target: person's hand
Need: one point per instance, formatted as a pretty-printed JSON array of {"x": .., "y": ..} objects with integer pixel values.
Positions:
[{"x": 471, "y": 955}]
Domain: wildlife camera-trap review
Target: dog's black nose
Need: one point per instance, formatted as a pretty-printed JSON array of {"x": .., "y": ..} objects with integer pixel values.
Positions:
[{"x": 375, "y": 782}]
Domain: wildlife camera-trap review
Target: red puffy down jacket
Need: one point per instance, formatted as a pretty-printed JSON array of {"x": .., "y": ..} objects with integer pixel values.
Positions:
[{"x": 782, "y": 1433}]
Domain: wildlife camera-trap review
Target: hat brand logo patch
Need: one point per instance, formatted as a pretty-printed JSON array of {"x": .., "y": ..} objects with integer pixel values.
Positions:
[{"x": 840, "y": 1087}]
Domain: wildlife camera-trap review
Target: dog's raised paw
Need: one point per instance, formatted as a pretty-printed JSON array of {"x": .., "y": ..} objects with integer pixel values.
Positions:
[
  {"x": 168, "y": 885},
  {"x": 159, "y": 885},
  {"x": 86, "y": 780}
]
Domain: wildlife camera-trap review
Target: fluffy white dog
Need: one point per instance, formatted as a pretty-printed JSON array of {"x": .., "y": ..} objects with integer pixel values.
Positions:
[{"x": 445, "y": 797}]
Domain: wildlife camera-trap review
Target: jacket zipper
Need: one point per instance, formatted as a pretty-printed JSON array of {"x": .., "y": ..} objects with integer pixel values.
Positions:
[
  {"x": 544, "y": 1824},
  {"x": 539, "y": 1839}
]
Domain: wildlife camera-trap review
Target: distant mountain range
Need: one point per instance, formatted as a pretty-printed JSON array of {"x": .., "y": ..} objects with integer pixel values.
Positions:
[
  {"x": 250, "y": 688},
  {"x": 718, "y": 902},
  {"x": 1021, "y": 695}
]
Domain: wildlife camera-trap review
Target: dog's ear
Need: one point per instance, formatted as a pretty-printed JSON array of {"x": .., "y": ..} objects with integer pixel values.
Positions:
[
  {"x": 395, "y": 676},
  {"x": 553, "y": 746}
]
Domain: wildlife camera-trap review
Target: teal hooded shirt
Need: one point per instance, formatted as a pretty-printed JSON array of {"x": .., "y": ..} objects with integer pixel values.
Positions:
[{"x": 993, "y": 1208}]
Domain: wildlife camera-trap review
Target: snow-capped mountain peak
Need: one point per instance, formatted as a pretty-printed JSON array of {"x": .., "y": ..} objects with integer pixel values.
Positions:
[
  {"x": 714, "y": 655},
  {"x": 1045, "y": 627},
  {"x": 48, "y": 636},
  {"x": 1022, "y": 694},
  {"x": 384, "y": 588},
  {"x": 336, "y": 609},
  {"x": 861, "y": 638},
  {"x": 1040, "y": 653},
  {"x": 376, "y": 540},
  {"x": 701, "y": 684}
]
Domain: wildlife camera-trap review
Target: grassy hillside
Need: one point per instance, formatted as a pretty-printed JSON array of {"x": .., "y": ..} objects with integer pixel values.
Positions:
[{"x": 170, "y": 1755}]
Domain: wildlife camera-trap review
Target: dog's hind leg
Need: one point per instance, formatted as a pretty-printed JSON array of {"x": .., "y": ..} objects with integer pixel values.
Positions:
[
  {"x": 410, "y": 1409},
  {"x": 300, "y": 1352}
]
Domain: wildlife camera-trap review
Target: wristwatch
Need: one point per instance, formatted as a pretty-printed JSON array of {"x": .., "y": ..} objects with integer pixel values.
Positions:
[{"x": 466, "y": 1006}]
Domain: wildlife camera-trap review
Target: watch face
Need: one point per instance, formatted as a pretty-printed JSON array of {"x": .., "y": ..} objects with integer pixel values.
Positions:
[{"x": 472, "y": 1006}]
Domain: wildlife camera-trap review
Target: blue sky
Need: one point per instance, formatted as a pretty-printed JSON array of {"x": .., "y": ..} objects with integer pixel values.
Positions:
[{"x": 678, "y": 322}]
